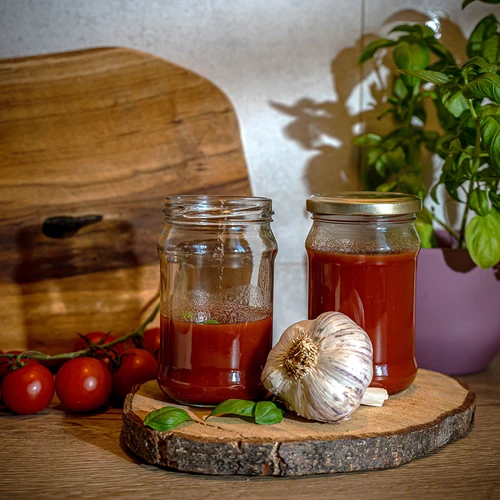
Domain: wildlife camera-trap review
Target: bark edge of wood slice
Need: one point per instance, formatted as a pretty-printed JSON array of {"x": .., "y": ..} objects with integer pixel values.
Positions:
[{"x": 434, "y": 411}]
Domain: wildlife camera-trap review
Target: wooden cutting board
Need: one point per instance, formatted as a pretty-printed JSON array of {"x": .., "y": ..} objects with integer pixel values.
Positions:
[
  {"x": 435, "y": 410},
  {"x": 102, "y": 135}
]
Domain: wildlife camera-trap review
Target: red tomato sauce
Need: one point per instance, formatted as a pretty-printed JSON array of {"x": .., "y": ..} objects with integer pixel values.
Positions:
[
  {"x": 207, "y": 364},
  {"x": 378, "y": 293}
]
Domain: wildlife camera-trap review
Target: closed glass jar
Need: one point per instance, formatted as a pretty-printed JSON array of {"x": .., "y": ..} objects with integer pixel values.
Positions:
[
  {"x": 362, "y": 250},
  {"x": 217, "y": 267}
]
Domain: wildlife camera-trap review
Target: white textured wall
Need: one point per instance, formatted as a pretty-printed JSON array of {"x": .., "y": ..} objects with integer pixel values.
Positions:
[{"x": 287, "y": 65}]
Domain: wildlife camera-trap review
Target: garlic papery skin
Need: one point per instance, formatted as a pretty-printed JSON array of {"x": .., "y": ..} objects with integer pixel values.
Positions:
[{"x": 321, "y": 367}]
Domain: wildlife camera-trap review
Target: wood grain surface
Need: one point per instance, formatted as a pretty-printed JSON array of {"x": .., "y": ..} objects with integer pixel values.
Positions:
[
  {"x": 108, "y": 133},
  {"x": 58, "y": 455},
  {"x": 435, "y": 410}
]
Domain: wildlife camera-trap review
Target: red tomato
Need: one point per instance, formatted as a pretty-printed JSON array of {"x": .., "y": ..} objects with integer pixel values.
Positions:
[
  {"x": 83, "y": 384},
  {"x": 137, "y": 366},
  {"x": 28, "y": 389},
  {"x": 6, "y": 363},
  {"x": 99, "y": 338},
  {"x": 152, "y": 341}
]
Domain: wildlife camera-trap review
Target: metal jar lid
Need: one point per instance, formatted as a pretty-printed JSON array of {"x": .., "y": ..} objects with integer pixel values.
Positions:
[{"x": 363, "y": 203}]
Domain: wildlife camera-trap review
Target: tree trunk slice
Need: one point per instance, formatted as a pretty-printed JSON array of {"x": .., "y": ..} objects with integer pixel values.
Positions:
[{"x": 435, "y": 410}]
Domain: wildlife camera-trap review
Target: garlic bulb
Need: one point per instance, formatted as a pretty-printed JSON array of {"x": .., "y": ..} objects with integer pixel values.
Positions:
[{"x": 321, "y": 367}]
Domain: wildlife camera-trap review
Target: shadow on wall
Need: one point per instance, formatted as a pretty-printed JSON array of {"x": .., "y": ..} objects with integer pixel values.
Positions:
[{"x": 327, "y": 127}]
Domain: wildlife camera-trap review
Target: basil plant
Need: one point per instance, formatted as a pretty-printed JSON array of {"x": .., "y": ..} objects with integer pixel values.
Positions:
[{"x": 467, "y": 103}]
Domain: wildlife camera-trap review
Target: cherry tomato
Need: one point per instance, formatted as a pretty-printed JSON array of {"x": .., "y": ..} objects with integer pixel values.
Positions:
[
  {"x": 152, "y": 341},
  {"x": 6, "y": 363},
  {"x": 99, "y": 338},
  {"x": 28, "y": 389},
  {"x": 137, "y": 366},
  {"x": 83, "y": 384}
]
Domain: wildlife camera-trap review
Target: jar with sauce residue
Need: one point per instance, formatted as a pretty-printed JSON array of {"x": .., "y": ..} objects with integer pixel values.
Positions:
[
  {"x": 216, "y": 259},
  {"x": 362, "y": 251}
]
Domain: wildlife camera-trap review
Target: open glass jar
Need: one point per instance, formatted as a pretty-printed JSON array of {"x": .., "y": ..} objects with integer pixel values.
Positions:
[
  {"x": 362, "y": 251},
  {"x": 217, "y": 261}
]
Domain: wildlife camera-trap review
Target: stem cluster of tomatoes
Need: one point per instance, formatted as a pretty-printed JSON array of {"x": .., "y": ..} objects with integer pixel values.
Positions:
[{"x": 100, "y": 367}]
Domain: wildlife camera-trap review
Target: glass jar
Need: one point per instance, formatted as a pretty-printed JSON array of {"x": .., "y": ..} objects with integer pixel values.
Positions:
[
  {"x": 217, "y": 266},
  {"x": 362, "y": 251}
]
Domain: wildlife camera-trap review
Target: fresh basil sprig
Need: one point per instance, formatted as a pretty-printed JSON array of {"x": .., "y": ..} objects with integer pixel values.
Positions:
[
  {"x": 167, "y": 418},
  {"x": 263, "y": 412}
]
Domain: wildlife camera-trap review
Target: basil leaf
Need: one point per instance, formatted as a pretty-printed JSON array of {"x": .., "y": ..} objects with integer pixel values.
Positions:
[
  {"x": 167, "y": 418},
  {"x": 372, "y": 47},
  {"x": 490, "y": 135},
  {"x": 429, "y": 76},
  {"x": 366, "y": 140},
  {"x": 423, "y": 225},
  {"x": 490, "y": 49},
  {"x": 478, "y": 201},
  {"x": 210, "y": 322},
  {"x": 484, "y": 85},
  {"x": 267, "y": 413},
  {"x": 486, "y": 28},
  {"x": 482, "y": 235},
  {"x": 453, "y": 100},
  {"x": 400, "y": 89},
  {"x": 234, "y": 407},
  {"x": 411, "y": 56}
]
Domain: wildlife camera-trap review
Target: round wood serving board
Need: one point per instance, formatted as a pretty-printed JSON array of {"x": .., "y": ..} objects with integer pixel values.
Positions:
[{"x": 435, "y": 410}]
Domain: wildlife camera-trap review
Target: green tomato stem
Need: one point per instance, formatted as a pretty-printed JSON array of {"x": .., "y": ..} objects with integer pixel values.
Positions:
[{"x": 70, "y": 355}]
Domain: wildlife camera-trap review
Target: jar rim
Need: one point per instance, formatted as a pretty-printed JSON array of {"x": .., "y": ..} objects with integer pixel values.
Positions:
[
  {"x": 217, "y": 209},
  {"x": 363, "y": 203}
]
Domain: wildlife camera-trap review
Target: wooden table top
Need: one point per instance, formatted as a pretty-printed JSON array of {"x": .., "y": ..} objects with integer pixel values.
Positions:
[{"x": 57, "y": 455}]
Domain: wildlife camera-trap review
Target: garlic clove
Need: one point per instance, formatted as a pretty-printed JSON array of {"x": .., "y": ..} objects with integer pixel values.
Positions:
[{"x": 374, "y": 396}]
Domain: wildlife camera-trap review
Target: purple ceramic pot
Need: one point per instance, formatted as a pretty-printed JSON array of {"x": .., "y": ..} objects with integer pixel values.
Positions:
[{"x": 457, "y": 312}]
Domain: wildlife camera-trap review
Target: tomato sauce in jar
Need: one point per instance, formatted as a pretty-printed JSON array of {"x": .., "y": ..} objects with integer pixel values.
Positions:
[
  {"x": 364, "y": 265},
  {"x": 205, "y": 364},
  {"x": 217, "y": 268}
]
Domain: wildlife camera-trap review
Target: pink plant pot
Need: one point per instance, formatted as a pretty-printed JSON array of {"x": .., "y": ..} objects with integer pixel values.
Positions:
[{"x": 457, "y": 312}]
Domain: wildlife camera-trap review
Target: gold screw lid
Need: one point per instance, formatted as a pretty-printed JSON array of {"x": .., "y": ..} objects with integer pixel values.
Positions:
[{"x": 363, "y": 203}]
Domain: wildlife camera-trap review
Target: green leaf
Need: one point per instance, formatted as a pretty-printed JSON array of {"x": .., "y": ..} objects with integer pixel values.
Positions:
[
  {"x": 429, "y": 76},
  {"x": 485, "y": 29},
  {"x": 234, "y": 407},
  {"x": 166, "y": 419},
  {"x": 412, "y": 183},
  {"x": 476, "y": 61},
  {"x": 210, "y": 322},
  {"x": 267, "y": 413},
  {"x": 433, "y": 192},
  {"x": 372, "y": 47},
  {"x": 453, "y": 100},
  {"x": 484, "y": 85},
  {"x": 418, "y": 29},
  {"x": 488, "y": 109},
  {"x": 490, "y": 48},
  {"x": 395, "y": 159},
  {"x": 478, "y": 201},
  {"x": 400, "y": 89},
  {"x": 455, "y": 146},
  {"x": 466, "y": 2},
  {"x": 411, "y": 56},
  {"x": 387, "y": 186},
  {"x": 367, "y": 140},
  {"x": 425, "y": 230},
  {"x": 482, "y": 235},
  {"x": 490, "y": 135},
  {"x": 495, "y": 200}
]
